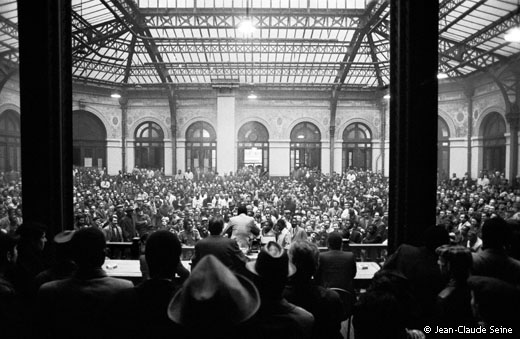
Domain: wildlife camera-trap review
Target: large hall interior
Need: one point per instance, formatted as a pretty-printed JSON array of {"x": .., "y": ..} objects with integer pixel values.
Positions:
[{"x": 382, "y": 121}]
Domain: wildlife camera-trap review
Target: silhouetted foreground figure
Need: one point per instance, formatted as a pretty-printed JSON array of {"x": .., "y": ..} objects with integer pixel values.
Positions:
[
  {"x": 214, "y": 302},
  {"x": 77, "y": 307}
]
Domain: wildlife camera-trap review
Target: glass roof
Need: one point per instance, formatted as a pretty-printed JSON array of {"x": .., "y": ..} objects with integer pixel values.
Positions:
[{"x": 298, "y": 44}]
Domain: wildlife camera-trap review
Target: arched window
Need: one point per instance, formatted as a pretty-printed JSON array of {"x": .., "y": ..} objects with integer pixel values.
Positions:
[
  {"x": 253, "y": 146},
  {"x": 149, "y": 146},
  {"x": 305, "y": 146},
  {"x": 357, "y": 147},
  {"x": 10, "y": 155},
  {"x": 201, "y": 147},
  {"x": 89, "y": 140},
  {"x": 493, "y": 130},
  {"x": 443, "y": 149}
]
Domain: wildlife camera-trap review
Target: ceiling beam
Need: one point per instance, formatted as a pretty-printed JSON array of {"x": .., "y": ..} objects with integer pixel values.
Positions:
[
  {"x": 460, "y": 17},
  {"x": 373, "y": 55},
  {"x": 494, "y": 29},
  {"x": 8, "y": 27},
  {"x": 133, "y": 17},
  {"x": 371, "y": 16},
  {"x": 241, "y": 12},
  {"x": 128, "y": 68}
]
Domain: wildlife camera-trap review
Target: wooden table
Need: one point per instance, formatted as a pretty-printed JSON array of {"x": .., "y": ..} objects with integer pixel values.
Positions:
[{"x": 130, "y": 269}]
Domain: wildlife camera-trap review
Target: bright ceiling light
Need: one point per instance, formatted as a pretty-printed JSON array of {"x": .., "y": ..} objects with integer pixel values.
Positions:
[
  {"x": 116, "y": 94},
  {"x": 301, "y": 136},
  {"x": 442, "y": 76},
  {"x": 386, "y": 96},
  {"x": 252, "y": 95},
  {"x": 246, "y": 26},
  {"x": 512, "y": 35}
]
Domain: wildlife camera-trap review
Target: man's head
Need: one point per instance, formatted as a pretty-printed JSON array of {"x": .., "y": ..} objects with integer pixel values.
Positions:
[
  {"x": 242, "y": 209},
  {"x": 305, "y": 257},
  {"x": 8, "y": 253},
  {"x": 335, "y": 241},
  {"x": 162, "y": 254},
  {"x": 495, "y": 233},
  {"x": 89, "y": 248},
  {"x": 215, "y": 225}
]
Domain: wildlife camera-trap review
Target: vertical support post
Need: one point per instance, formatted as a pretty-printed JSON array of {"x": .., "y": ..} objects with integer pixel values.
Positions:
[
  {"x": 46, "y": 112},
  {"x": 513, "y": 119},
  {"x": 332, "y": 127},
  {"x": 469, "y": 90},
  {"x": 413, "y": 117},
  {"x": 172, "y": 101},
  {"x": 123, "y": 102}
]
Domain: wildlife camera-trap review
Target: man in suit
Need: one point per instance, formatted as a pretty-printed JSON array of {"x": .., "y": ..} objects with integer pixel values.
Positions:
[
  {"x": 242, "y": 227},
  {"x": 225, "y": 249},
  {"x": 78, "y": 306},
  {"x": 337, "y": 268},
  {"x": 147, "y": 303},
  {"x": 493, "y": 260}
]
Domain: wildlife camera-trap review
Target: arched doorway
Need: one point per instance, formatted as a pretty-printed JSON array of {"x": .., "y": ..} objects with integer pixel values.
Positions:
[
  {"x": 494, "y": 143},
  {"x": 253, "y": 146},
  {"x": 305, "y": 146},
  {"x": 149, "y": 146},
  {"x": 357, "y": 147},
  {"x": 10, "y": 155},
  {"x": 201, "y": 147},
  {"x": 89, "y": 140},
  {"x": 443, "y": 149}
]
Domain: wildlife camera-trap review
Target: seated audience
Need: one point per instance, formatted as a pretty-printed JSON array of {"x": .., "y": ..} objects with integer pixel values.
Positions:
[
  {"x": 277, "y": 318},
  {"x": 147, "y": 303},
  {"x": 225, "y": 249},
  {"x": 337, "y": 268},
  {"x": 324, "y": 304},
  {"x": 453, "y": 302},
  {"x": 215, "y": 303},
  {"x": 77, "y": 306}
]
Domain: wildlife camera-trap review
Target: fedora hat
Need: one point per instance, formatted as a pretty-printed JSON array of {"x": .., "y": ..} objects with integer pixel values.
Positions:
[
  {"x": 213, "y": 297},
  {"x": 272, "y": 262}
]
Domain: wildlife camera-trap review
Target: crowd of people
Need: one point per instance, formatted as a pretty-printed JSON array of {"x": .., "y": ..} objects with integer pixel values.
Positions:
[
  {"x": 308, "y": 203},
  {"x": 466, "y": 273}
]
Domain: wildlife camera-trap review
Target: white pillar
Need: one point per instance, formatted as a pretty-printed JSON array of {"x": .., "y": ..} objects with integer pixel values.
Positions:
[
  {"x": 226, "y": 144},
  {"x": 325, "y": 156},
  {"x": 508, "y": 151},
  {"x": 458, "y": 156},
  {"x": 181, "y": 155},
  {"x": 279, "y": 158},
  {"x": 168, "y": 153},
  {"x": 338, "y": 156},
  {"x": 130, "y": 155},
  {"x": 114, "y": 156}
]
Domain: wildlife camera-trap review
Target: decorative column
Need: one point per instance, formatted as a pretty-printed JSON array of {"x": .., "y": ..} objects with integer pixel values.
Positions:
[
  {"x": 513, "y": 119},
  {"x": 226, "y": 139},
  {"x": 469, "y": 91},
  {"x": 123, "y": 103}
]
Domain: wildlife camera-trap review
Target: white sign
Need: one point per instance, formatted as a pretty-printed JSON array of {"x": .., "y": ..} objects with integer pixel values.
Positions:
[
  {"x": 253, "y": 156},
  {"x": 88, "y": 162}
]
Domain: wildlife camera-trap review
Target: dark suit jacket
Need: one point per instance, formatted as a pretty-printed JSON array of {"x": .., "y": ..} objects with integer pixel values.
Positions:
[
  {"x": 496, "y": 264},
  {"x": 337, "y": 269},
  {"x": 419, "y": 265},
  {"x": 225, "y": 249},
  {"x": 77, "y": 307},
  {"x": 141, "y": 312}
]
